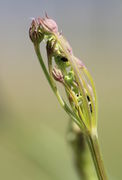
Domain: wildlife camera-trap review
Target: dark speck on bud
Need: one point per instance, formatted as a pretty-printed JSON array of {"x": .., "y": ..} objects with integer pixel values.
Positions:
[
  {"x": 57, "y": 74},
  {"x": 64, "y": 59},
  {"x": 35, "y": 33}
]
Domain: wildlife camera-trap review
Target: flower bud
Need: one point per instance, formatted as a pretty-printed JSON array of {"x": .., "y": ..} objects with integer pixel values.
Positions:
[
  {"x": 35, "y": 33},
  {"x": 49, "y": 25},
  {"x": 57, "y": 74}
]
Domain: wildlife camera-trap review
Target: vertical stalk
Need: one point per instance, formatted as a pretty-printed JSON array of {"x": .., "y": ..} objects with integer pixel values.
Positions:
[
  {"x": 81, "y": 154},
  {"x": 37, "y": 50},
  {"x": 93, "y": 144}
]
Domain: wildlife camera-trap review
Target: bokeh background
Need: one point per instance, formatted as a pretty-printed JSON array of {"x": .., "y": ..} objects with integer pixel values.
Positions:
[{"x": 33, "y": 126}]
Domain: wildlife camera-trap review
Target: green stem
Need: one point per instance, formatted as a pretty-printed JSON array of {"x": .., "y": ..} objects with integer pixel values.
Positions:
[
  {"x": 82, "y": 157},
  {"x": 54, "y": 88},
  {"x": 37, "y": 50},
  {"x": 93, "y": 144}
]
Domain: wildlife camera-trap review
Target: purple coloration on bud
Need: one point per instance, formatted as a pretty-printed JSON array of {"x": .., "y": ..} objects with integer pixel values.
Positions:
[
  {"x": 35, "y": 33},
  {"x": 48, "y": 24},
  {"x": 57, "y": 74}
]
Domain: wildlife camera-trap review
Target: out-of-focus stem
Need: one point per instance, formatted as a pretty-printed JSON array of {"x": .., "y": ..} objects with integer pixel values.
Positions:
[
  {"x": 93, "y": 144},
  {"x": 81, "y": 154}
]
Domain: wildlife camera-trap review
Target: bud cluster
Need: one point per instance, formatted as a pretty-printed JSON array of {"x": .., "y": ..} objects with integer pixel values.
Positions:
[
  {"x": 74, "y": 76},
  {"x": 35, "y": 32}
]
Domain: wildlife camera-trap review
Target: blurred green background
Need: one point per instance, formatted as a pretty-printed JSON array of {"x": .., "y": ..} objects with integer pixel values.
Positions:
[{"x": 33, "y": 126}]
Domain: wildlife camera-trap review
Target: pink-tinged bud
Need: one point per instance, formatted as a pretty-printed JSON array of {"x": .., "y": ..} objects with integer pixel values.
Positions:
[
  {"x": 48, "y": 24},
  {"x": 35, "y": 33},
  {"x": 57, "y": 74},
  {"x": 79, "y": 63}
]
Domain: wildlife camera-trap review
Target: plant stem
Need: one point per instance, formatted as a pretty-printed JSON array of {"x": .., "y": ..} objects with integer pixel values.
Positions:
[
  {"x": 82, "y": 157},
  {"x": 37, "y": 50},
  {"x": 93, "y": 144}
]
